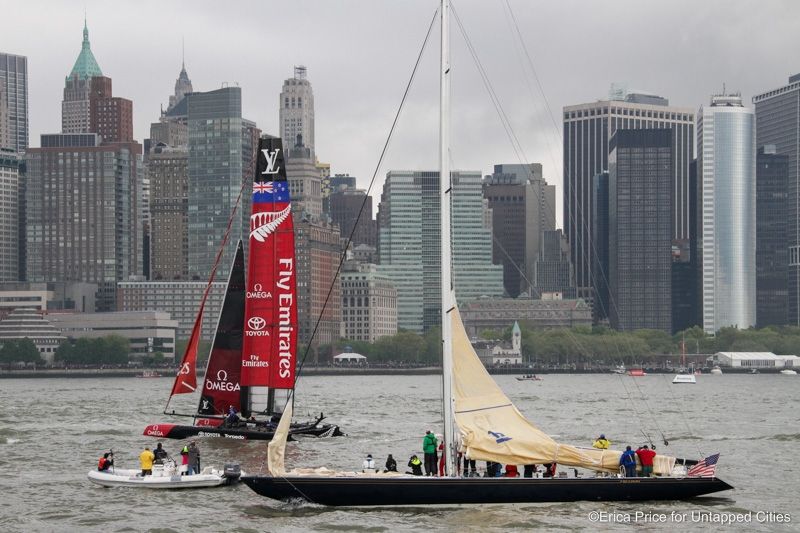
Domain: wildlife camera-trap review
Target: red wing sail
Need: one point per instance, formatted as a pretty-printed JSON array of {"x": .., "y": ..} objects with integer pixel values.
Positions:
[
  {"x": 269, "y": 353},
  {"x": 186, "y": 380},
  {"x": 221, "y": 385}
]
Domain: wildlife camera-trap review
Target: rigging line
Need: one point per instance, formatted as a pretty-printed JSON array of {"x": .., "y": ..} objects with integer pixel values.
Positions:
[
  {"x": 633, "y": 406},
  {"x": 683, "y": 415},
  {"x": 538, "y": 118},
  {"x": 369, "y": 188},
  {"x": 515, "y": 144},
  {"x": 533, "y": 69},
  {"x": 650, "y": 411}
]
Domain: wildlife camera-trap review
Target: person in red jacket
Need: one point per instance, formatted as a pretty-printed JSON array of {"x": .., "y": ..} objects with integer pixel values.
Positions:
[
  {"x": 105, "y": 462},
  {"x": 646, "y": 457}
]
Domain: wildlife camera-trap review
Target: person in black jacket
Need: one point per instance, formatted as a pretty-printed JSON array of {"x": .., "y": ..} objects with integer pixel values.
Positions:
[
  {"x": 160, "y": 454},
  {"x": 416, "y": 466},
  {"x": 391, "y": 464}
]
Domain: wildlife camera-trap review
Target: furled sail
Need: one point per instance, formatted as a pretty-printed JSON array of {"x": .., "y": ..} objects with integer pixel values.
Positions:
[
  {"x": 221, "y": 384},
  {"x": 276, "y": 449},
  {"x": 492, "y": 429},
  {"x": 270, "y": 335}
]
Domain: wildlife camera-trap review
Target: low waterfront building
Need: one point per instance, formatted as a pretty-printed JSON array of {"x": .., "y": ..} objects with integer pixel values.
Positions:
[
  {"x": 29, "y": 323},
  {"x": 53, "y": 296},
  {"x": 755, "y": 360},
  {"x": 181, "y": 299},
  {"x": 499, "y": 313},
  {"x": 149, "y": 332}
]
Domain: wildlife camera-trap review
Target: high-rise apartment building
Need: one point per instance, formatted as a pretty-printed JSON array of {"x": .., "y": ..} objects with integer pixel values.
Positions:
[
  {"x": 168, "y": 171},
  {"x": 772, "y": 235},
  {"x": 84, "y": 212},
  {"x": 221, "y": 148},
  {"x": 726, "y": 166},
  {"x": 640, "y": 229},
  {"x": 110, "y": 116},
  {"x": 600, "y": 268},
  {"x": 76, "y": 106},
  {"x": 5, "y": 132},
  {"x": 523, "y": 206},
  {"x": 408, "y": 234},
  {"x": 588, "y": 129},
  {"x": 14, "y": 87},
  {"x": 778, "y": 124},
  {"x": 296, "y": 116},
  {"x": 9, "y": 215}
]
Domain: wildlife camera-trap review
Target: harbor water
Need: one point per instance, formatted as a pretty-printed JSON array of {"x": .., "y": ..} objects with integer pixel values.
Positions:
[{"x": 52, "y": 432}]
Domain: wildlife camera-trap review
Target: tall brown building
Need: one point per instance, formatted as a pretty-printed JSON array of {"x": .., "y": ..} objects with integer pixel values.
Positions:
[
  {"x": 168, "y": 171},
  {"x": 318, "y": 253},
  {"x": 523, "y": 206},
  {"x": 110, "y": 116}
]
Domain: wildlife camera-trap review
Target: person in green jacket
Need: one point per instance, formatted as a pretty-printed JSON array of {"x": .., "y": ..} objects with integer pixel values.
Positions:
[{"x": 429, "y": 444}]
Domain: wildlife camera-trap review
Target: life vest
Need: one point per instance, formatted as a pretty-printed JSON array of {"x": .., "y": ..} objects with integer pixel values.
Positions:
[
  {"x": 416, "y": 461},
  {"x": 101, "y": 464}
]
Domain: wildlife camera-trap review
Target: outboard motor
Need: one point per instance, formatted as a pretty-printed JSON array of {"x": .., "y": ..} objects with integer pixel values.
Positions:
[{"x": 231, "y": 472}]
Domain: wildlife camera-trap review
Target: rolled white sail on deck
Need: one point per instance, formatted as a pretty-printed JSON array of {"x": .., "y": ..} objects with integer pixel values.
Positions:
[{"x": 493, "y": 429}]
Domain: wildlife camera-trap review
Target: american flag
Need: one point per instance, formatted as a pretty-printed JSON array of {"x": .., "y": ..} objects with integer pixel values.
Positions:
[
  {"x": 262, "y": 187},
  {"x": 705, "y": 468}
]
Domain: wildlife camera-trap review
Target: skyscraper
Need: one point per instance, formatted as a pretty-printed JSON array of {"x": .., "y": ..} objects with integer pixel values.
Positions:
[
  {"x": 168, "y": 170},
  {"x": 84, "y": 212},
  {"x": 221, "y": 158},
  {"x": 109, "y": 115},
  {"x": 296, "y": 116},
  {"x": 640, "y": 229},
  {"x": 9, "y": 215},
  {"x": 778, "y": 124},
  {"x": 76, "y": 106},
  {"x": 408, "y": 233},
  {"x": 523, "y": 206},
  {"x": 588, "y": 129},
  {"x": 553, "y": 271},
  {"x": 14, "y": 86},
  {"x": 772, "y": 257},
  {"x": 5, "y": 133},
  {"x": 345, "y": 205},
  {"x": 183, "y": 86},
  {"x": 726, "y": 165},
  {"x": 305, "y": 183}
]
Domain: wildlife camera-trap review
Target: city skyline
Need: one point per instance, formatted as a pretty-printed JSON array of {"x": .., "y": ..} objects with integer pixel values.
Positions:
[{"x": 353, "y": 118}]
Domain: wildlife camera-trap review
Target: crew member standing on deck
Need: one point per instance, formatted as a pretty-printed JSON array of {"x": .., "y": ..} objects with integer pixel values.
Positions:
[
  {"x": 429, "y": 444},
  {"x": 646, "y": 457},
  {"x": 146, "y": 459},
  {"x": 628, "y": 461}
]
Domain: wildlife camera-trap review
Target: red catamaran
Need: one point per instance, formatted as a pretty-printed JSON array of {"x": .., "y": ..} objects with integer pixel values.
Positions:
[{"x": 253, "y": 359}]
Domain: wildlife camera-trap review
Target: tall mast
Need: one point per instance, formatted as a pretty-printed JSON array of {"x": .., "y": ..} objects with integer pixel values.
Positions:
[{"x": 444, "y": 210}]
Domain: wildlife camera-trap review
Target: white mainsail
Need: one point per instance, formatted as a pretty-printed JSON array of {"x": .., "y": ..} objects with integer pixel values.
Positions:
[{"x": 493, "y": 429}]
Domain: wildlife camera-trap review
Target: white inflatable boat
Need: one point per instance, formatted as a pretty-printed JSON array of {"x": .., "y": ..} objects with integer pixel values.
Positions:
[{"x": 166, "y": 477}]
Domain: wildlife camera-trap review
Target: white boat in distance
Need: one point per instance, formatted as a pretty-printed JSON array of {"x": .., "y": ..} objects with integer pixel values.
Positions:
[
  {"x": 788, "y": 372},
  {"x": 684, "y": 378},
  {"x": 165, "y": 477}
]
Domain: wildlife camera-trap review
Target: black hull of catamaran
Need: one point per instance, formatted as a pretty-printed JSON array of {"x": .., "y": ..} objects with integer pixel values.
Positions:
[
  {"x": 169, "y": 431},
  {"x": 368, "y": 491}
]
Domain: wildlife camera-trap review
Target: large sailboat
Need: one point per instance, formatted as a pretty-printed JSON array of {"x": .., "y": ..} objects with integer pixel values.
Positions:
[
  {"x": 251, "y": 368},
  {"x": 480, "y": 422}
]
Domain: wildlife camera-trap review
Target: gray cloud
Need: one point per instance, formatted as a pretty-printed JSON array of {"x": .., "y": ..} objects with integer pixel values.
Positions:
[{"x": 359, "y": 54}]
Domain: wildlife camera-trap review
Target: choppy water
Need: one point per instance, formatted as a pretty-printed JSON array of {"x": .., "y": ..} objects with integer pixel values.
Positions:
[{"x": 53, "y": 430}]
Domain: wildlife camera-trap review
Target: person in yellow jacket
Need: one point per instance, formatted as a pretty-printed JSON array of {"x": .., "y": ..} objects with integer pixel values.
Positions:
[
  {"x": 602, "y": 443},
  {"x": 146, "y": 459}
]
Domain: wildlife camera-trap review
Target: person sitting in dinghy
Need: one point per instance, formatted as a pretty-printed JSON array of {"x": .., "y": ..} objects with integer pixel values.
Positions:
[
  {"x": 159, "y": 454},
  {"x": 105, "y": 462}
]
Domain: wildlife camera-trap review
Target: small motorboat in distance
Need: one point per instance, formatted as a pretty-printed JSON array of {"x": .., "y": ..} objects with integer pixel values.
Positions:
[
  {"x": 529, "y": 377},
  {"x": 166, "y": 476},
  {"x": 636, "y": 372},
  {"x": 716, "y": 371},
  {"x": 684, "y": 378},
  {"x": 789, "y": 372},
  {"x": 149, "y": 374}
]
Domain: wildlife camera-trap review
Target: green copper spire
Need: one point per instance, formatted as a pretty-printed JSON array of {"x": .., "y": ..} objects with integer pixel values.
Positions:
[{"x": 86, "y": 65}]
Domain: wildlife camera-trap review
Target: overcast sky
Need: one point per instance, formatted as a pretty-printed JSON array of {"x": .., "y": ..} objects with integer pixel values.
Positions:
[{"x": 359, "y": 55}]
